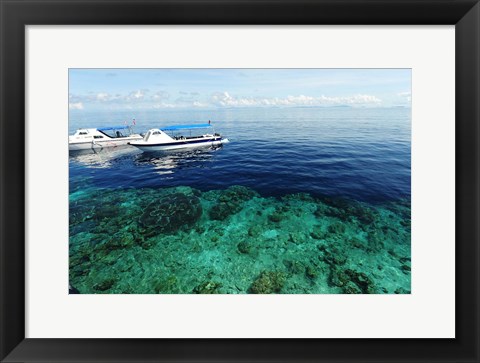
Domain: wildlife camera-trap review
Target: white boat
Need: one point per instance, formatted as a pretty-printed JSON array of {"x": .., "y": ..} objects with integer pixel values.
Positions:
[
  {"x": 88, "y": 139},
  {"x": 180, "y": 138}
]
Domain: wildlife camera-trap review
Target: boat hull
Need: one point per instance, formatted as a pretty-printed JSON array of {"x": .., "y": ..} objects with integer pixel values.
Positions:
[
  {"x": 181, "y": 145},
  {"x": 95, "y": 145}
]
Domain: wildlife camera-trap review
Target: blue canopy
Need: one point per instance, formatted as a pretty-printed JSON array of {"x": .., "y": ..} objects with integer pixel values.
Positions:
[
  {"x": 112, "y": 128},
  {"x": 182, "y": 127}
]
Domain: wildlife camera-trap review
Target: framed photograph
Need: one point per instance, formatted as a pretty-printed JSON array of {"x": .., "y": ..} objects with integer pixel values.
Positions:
[
  {"x": 256, "y": 216},
  {"x": 239, "y": 181}
]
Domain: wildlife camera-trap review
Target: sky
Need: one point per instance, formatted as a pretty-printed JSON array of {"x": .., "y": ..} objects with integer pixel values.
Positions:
[{"x": 144, "y": 89}]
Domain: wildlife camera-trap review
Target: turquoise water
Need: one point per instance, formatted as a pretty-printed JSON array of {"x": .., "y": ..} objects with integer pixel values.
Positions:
[{"x": 303, "y": 200}]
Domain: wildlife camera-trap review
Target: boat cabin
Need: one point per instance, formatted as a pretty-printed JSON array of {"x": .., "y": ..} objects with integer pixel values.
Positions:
[
  {"x": 186, "y": 132},
  {"x": 102, "y": 133},
  {"x": 156, "y": 136},
  {"x": 87, "y": 134}
]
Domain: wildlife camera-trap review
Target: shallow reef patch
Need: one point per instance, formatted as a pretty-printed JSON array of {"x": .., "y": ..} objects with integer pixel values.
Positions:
[{"x": 182, "y": 240}]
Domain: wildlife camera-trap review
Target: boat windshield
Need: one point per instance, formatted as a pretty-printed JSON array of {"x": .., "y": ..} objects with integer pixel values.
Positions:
[
  {"x": 188, "y": 131},
  {"x": 116, "y": 132}
]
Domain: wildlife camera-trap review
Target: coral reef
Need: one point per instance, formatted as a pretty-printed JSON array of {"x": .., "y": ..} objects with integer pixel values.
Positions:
[
  {"x": 171, "y": 212},
  {"x": 208, "y": 287},
  {"x": 184, "y": 241},
  {"x": 243, "y": 247},
  {"x": 352, "y": 282},
  {"x": 268, "y": 283},
  {"x": 230, "y": 202}
]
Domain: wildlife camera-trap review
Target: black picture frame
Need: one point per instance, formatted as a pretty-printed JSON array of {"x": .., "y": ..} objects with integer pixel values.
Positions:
[{"x": 16, "y": 14}]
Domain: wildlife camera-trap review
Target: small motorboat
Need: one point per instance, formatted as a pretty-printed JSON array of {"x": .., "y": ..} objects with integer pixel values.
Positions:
[
  {"x": 180, "y": 137},
  {"x": 88, "y": 139}
]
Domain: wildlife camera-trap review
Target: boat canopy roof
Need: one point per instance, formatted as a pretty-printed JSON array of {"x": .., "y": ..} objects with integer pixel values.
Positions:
[
  {"x": 112, "y": 128},
  {"x": 182, "y": 127}
]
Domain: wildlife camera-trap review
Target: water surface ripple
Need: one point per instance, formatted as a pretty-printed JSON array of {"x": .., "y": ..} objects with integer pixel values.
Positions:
[{"x": 363, "y": 154}]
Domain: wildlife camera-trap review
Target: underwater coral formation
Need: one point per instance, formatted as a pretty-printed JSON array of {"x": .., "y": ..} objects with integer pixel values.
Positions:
[
  {"x": 185, "y": 241},
  {"x": 269, "y": 282},
  {"x": 230, "y": 202},
  {"x": 171, "y": 212}
]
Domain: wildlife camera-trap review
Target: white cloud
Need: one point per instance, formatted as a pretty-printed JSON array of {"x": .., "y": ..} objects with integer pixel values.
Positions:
[
  {"x": 75, "y": 106},
  {"x": 161, "y": 95},
  {"x": 164, "y": 105},
  {"x": 199, "y": 104},
  {"x": 111, "y": 99},
  {"x": 225, "y": 99},
  {"x": 137, "y": 95},
  {"x": 407, "y": 96},
  {"x": 102, "y": 96},
  {"x": 161, "y": 99}
]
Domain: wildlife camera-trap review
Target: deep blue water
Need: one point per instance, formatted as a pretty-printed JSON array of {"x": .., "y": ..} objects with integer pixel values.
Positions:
[{"x": 358, "y": 153}]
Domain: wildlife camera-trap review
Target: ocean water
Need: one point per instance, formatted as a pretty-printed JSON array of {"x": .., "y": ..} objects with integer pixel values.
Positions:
[{"x": 302, "y": 200}]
